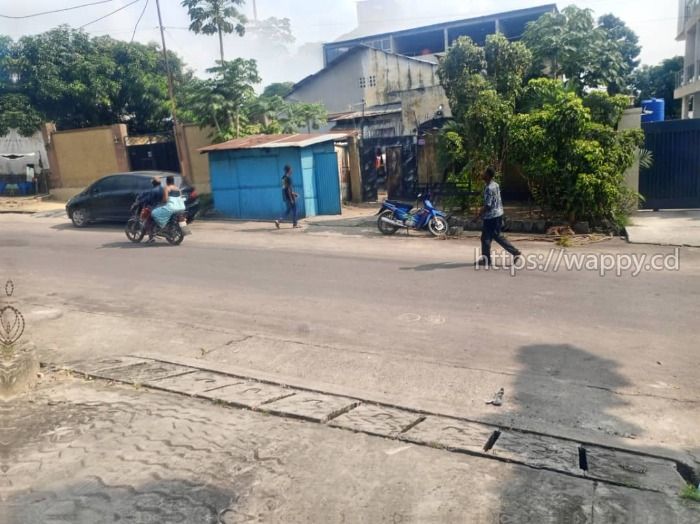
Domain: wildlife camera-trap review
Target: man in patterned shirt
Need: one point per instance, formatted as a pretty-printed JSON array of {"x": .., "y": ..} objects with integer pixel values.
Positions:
[{"x": 492, "y": 214}]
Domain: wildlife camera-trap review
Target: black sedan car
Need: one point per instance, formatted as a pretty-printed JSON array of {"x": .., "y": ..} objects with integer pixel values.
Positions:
[{"x": 110, "y": 197}]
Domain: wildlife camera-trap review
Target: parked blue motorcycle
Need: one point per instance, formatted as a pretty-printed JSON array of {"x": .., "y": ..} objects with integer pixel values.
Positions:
[{"x": 396, "y": 215}]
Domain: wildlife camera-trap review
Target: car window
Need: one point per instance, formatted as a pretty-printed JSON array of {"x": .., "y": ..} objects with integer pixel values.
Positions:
[
  {"x": 142, "y": 183},
  {"x": 106, "y": 184}
]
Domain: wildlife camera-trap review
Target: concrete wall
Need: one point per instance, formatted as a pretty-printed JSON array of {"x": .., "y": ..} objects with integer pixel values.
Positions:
[
  {"x": 195, "y": 138},
  {"x": 632, "y": 119},
  {"x": 393, "y": 73},
  {"x": 382, "y": 74},
  {"x": 81, "y": 156},
  {"x": 337, "y": 88},
  {"x": 420, "y": 105}
]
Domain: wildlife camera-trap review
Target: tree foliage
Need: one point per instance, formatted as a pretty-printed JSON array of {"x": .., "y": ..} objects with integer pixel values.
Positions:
[
  {"x": 216, "y": 17},
  {"x": 571, "y": 45},
  {"x": 67, "y": 77},
  {"x": 228, "y": 104},
  {"x": 573, "y": 157},
  {"x": 482, "y": 86}
]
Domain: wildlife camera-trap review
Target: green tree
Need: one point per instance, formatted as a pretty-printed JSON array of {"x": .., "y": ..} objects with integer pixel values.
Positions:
[
  {"x": 482, "y": 86},
  {"x": 280, "y": 89},
  {"x": 307, "y": 116},
  {"x": 266, "y": 111},
  {"x": 16, "y": 112},
  {"x": 570, "y": 45},
  {"x": 627, "y": 43},
  {"x": 573, "y": 157},
  {"x": 67, "y": 77},
  {"x": 659, "y": 81},
  {"x": 220, "y": 17},
  {"x": 222, "y": 102}
]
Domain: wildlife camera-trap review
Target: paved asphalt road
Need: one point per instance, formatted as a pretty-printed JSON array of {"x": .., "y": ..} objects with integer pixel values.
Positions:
[{"x": 406, "y": 320}]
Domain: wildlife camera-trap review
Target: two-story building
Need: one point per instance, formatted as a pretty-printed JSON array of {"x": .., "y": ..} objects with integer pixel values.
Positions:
[
  {"x": 386, "y": 84},
  {"x": 688, "y": 89}
]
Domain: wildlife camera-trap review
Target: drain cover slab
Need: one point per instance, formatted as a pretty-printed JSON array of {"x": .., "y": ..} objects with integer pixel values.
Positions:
[
  {"x": 633, "y": 470},
  {"x": 93, "y": 366},
  {"x": 142, "y": 372},
  {"x": 316, "y": 407},
  {"x": 195, "y": 383},
  {"x": 450, "y": 434},
  {"x": 377, "y": 420},
  {"x": 538, "y": 451},
  {"x": 248, "y": 394}
]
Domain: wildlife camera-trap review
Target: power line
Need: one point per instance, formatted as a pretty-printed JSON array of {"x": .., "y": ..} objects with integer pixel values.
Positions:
[
  {"x": 21, "y": 17},
  {"x": 109, "y": 14},
  {"x": 139, "y": 21}
]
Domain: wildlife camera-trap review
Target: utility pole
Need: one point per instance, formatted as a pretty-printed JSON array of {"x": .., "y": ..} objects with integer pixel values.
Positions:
[
  {"x": 255, "y": 11},
  {"x": 181, "y": 150}
]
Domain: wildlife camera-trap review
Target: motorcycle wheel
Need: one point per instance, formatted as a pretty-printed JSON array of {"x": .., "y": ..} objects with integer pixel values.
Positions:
[
  {"x": 384, "y": 228},
  {"x": 438, "y": 226},
  {"x": 134, "y": 231},
  {"x": 175, "y": 236}
]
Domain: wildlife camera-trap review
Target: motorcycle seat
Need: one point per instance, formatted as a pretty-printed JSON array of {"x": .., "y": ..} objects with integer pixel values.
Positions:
[{"x": 402, "y": 205}]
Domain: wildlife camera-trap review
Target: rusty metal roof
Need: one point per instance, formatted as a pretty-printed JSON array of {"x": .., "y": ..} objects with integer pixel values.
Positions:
[{"x": 275, "y": 141}]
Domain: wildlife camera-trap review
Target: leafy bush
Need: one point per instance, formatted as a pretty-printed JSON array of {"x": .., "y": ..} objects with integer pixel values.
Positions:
[{"x": 574, "y": 161}]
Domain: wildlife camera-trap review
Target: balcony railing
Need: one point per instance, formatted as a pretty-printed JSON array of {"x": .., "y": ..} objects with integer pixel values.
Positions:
[
  {"x": 690, "y": 7},
  {"x": 689, "y": 75}
]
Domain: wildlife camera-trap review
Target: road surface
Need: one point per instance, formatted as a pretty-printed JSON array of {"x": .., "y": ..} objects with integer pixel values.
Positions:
[{"x": 403, "y": 319}]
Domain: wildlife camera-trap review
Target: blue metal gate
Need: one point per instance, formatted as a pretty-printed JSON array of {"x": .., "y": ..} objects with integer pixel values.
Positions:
[
  {"x": 327, "y": 182},
  {"x": 673, "y": 181}
]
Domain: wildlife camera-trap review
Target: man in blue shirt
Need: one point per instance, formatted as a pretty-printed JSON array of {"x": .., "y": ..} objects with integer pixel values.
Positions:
[
  {"x": 492, "y": 214},
  {"x": 151, "y": 198}
]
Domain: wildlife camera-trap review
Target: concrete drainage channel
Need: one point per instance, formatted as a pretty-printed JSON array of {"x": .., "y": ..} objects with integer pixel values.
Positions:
[{"x": 589, "y": 461}]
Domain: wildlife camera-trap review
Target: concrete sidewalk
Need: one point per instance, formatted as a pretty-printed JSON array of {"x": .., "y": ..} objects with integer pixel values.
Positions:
[
  {"x": 30, "y": 205},
  {"x": 675, "y": 228},
  {"x": 90, "y": 451}
]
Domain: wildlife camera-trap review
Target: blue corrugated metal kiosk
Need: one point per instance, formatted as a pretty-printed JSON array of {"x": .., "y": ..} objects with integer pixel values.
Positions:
[{"x": 246, "y": 174}]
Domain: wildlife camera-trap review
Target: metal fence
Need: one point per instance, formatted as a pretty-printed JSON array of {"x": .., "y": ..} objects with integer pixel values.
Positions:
[{"x": 673, "y": 180}]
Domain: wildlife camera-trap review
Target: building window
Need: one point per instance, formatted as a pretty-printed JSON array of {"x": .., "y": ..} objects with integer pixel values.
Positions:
[
  {"x": 372, "y": 81},
  {"x": 363, "y": 82}
]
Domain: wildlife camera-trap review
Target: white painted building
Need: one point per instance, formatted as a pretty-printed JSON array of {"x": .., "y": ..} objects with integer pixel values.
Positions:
[{"x": 688, "y": 89}]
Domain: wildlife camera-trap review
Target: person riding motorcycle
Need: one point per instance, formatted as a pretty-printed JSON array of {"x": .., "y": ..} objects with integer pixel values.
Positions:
[
  {"x": 151, "y": 198},
  {"x": 172, "y": 203}
]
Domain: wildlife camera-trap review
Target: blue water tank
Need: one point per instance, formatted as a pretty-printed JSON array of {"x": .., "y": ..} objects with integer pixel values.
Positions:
[{"x": 653, "y": 110}]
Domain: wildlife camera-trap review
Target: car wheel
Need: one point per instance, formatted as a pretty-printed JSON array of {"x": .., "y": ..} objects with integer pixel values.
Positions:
[{"x": 80, "y": 217}]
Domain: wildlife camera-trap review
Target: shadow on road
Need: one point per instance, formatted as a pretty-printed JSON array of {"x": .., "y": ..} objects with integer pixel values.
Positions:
[
  {"x": 132, "y": 245},
  {"x": 439, "y": 266},
  {"x": 581, "y": 395},
  {"x": 93, "y": 228}
]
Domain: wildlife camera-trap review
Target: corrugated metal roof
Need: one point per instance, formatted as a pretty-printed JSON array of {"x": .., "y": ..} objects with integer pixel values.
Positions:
[
  {"x": 367, "y": 113},
  {"x": 275, "y": 141}
]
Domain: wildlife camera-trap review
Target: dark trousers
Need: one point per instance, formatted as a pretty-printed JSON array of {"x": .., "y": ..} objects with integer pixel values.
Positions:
[
  {"x": 291, "y": 209},
  {"x": 492, "y": 231}
]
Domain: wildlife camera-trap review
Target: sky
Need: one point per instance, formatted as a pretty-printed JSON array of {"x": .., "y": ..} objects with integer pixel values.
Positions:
[{"x": 313, "y": 22}]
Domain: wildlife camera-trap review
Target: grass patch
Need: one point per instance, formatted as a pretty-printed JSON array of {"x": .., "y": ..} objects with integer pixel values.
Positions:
[
  {"x": 564, "y": 241},
  {"x": 691, "y": 492}
]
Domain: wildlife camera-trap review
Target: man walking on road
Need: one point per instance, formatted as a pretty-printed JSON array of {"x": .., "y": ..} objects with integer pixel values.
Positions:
[
  {"x": 289, "y": 197},
  {"x": 492, "y": 214}
]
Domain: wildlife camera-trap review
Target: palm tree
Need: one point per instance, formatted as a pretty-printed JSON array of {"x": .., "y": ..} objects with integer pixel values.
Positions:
[{"x": 216, "y": 16}]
